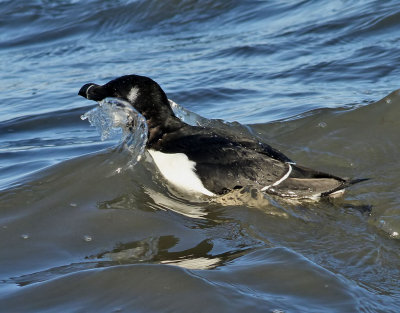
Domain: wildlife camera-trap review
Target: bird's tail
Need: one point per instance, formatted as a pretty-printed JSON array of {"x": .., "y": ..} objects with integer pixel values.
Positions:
[{"x": 305, "y": 183}]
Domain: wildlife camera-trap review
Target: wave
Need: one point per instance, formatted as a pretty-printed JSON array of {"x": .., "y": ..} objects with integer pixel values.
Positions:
[
  {"x": 244, "y": 277},
  {"x": 72, "y": 209},
  {"x": 350, "y": 142},
  {"x": 32, "y": 143},
  {"x": 356, "y": 142},
  {"x": 42, "y": 21},
  {"x": 93, "y": 213}
]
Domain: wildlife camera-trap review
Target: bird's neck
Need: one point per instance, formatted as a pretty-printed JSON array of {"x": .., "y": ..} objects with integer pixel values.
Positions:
[{"x": 157, "y": 129}]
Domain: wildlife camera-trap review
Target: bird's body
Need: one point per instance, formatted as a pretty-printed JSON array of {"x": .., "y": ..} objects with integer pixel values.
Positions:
[{"x": 207, "y": 160}]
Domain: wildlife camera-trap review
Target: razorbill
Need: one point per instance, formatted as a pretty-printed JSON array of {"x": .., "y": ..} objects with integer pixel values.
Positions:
[{"x": 212, "y": 161}]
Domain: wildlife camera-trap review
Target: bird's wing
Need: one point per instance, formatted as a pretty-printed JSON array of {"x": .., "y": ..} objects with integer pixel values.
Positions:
[
  {"x": 223, "y": 163},
  {"x": 263, "y": 148}
]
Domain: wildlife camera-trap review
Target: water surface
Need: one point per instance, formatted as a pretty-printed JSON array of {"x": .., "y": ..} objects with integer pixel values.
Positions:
[{"x": 80, "y": 231}]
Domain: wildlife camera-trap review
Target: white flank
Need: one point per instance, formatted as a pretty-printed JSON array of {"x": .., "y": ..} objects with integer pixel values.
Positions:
[
  {"x": 280, "y": 180},
  {"x": 179, "y": 171},
  {"x": 133, "y": 94}
]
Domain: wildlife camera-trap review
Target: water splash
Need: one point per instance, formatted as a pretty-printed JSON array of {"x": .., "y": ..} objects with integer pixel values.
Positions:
[
  {"x": 194, "y": 119},
  {"x": 187, "y": 116},
  {"x": 117, "y": 118}
]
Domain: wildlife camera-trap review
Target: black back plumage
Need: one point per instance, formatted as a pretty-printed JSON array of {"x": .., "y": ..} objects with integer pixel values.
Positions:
[{"x": 224, "y": 161}]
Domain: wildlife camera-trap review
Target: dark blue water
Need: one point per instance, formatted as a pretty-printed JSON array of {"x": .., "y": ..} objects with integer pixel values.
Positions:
[{"x": 316, "y": 79}]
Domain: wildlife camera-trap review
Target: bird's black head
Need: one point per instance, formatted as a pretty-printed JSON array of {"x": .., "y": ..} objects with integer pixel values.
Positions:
[
  {"x": 144, "y": 94},
  {"x": 91, "y": 92}
]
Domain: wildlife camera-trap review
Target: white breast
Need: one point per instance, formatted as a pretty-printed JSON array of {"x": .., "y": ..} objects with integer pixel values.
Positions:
[{"x": 179, "y": 171}]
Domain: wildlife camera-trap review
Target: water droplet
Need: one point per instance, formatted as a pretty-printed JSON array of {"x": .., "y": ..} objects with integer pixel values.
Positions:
[
  {"x": 73, "y": 204},
  {"x": 87, "y": 238},
  {"x": 25, "y": 236},
  {"x": 322, "y": 124}
]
